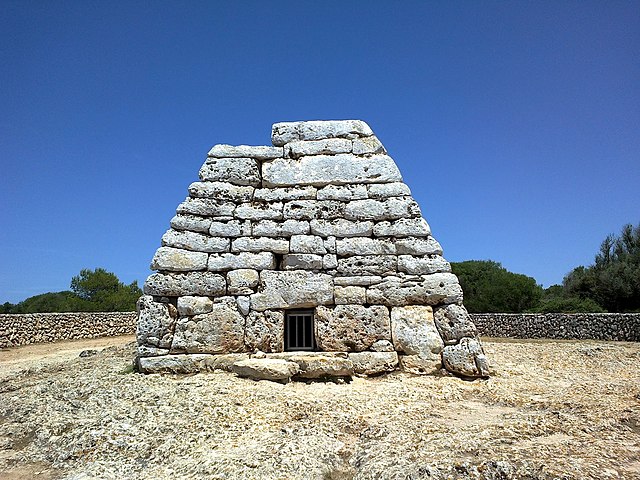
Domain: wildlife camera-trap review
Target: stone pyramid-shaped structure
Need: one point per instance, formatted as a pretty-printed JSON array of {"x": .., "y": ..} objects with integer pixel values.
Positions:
[{"x": 310, "y": 250}]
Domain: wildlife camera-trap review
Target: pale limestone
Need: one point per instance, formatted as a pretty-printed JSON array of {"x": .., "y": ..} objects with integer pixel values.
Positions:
[
  {"x": 221, "y": 191},
  {"x": 190, "y": 283},
  {"x": 247, "y": 151},
  {"x": 341, "y": 228},
  {"x": 344, "y": 193},
  {"x": 453, "y": 323},
  {"x": 385, "y": 190},
  {"x": 422, "y": 265},
  {"x": 206, "y": 207},
  {"x": 196, "y": 242},
  {"x": 259, "y": 211},
  {"x": 189, "y": 305},
  {"x": 307, "y": 244},
  {"x": 292, "y": 289},
  {"x": 364, "y": 246},
  {"x": 350, "y": 295},
  {"x": 273, "y": 369},
  {"x": 327, "y": 146},
  {"x": 373, "y": 363},
  {"x": 418, "y": 246},
  {"x": 405, "y": 227},
  {"x": 239, "y": 171},
  {"x": 351, "y": 328},
  {"x": 379, "y": 210},
  {"x": 414, "y": 332},
  {"x": 155, "y": 323},
  {"x": 231, "y": 228},
  {"x": 192, "y": 223},
  {"x": 260, "y": 244},
  {"x": 287, "y": 132},
  {"x": 424, "y": 290},
  {"x": 466, "y": 358},
  {"x": 265, "y": 331},
  {"x": 284, "y": 194},
  {"x": 418, "y": 365},
  {"x": 178, "y": 260},
  {"x": 302, "y": 261},
  {"x": 367, "y": 146},
  {"x": 270, "y": 228},
  {"x": 367, "y": 265},
  {"x": 242, "y": 281},
  {"x": 313, "y": 209},
  {"x": 234, "y": 261}
]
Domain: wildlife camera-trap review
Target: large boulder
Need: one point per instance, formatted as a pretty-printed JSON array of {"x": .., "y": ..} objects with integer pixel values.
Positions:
[
  {"x": 466, "y": 358},
  {"x": 266, "y": 369},
  {"x": 414, "y": 331},
  {"x": 351, "y": 328}
]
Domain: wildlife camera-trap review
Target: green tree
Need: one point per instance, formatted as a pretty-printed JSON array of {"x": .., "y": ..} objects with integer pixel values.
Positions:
[
  {"x": 490, "y": 288},
  {"x": 555, "y": 300},
  {"x": 104, "y": 291},
  {"x": 52, "y": 302}
]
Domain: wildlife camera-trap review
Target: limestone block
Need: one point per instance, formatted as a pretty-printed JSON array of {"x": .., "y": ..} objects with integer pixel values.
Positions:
[
  {"x": 405, "y": 227},
  {"x": 374, "y": 363},
  {"x": 287, "y": 132},
  {"x": 367, "y": 146},
  {"x": 414, "y": 332},
  {"x": 329, "y": 261},
  {"x": 247, "y": 151},
  {"x": 364, "y": 246},
  {"x": 176, "y": 363},
  {"x": 285, "y": 194},
  {"x": 235, "y": 261},
  {"x": 242, "y": 282},
  {"x": 359, "y": 280},
  {"x": 321, "y": 366},
  {"x": 386, "y": 190},
  {"x": 196, "y": 242},
  {"x": 292, "y": 289},
  {"x": 367, "y": 265},
  {"x": 259, "y": 211},
  {"x": 178, "y": 260},
  {"x": 466, "y": 358},
  {"x": 192, "y": 223},
  {"x": 423, "y": 265},
  {"x": 425, "y": 290},
  {"x": 382, "y": 346},
  {"x": 206, "y": 207},
  {"x": 327, "y": 146},
  {"x": 147, "y": 351},
  {"x": 273, "y": 369},
  {"x": 418, "y": 246},
  {"x": 301, "y": 261},
  {"x": 344, "y": 193},
  {"x": 189, "y": 305},
  {"x": 269, "y": 228},
  {"x": 239, "y": 171},
  {"x": 341, "y": 228},
  {"x": 350, "y": 295},
  {"x": 387, "y": 209},
  {"x": 221, "y": 191},
  {"x": 265, "y": 331},
  {"x": 313, "y": 209},
  {"x": 232, "y": 228},
  {"x": 351, "y": 328},
  {"x": 155, "y": 323},
  {"x": 418, "y": 365},
  {"x": 191, "y": 283},
  {"x": 260, "y": 244},
  {"x": 453, "y": 323},
  {"x": 321, "y": 170},
  {"x": 307, "y": 244},
  {"x": 330, "y": 244},
  {"x": 244, "y": 305},
  {"x": 219, "y": 331}
]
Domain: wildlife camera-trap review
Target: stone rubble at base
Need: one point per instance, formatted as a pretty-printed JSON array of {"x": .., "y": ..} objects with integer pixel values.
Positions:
[{"x": 322, "y": 221}]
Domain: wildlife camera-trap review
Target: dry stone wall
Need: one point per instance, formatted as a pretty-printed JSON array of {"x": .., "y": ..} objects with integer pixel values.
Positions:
[
  {"x": 23, "y": 329},
  {"x": 321, "y": 220}
]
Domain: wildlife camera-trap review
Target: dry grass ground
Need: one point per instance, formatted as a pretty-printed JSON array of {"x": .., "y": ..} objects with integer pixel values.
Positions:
[{"x": 552, "y": 409}]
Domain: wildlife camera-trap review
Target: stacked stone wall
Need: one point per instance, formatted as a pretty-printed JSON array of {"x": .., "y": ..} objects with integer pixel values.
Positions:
[
  {"x": 581, "y": 326},
  {"x": 23, "y": 329}
]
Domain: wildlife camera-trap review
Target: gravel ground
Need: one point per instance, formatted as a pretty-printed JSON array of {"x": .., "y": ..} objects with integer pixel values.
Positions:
[{"x": 552, "y": 409}]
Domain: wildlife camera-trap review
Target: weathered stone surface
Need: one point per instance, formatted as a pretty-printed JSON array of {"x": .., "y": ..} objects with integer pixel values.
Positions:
[
  {"x": 269, "y": 228},
  {"x": 155, "y": 323},
  {"x": 418, "y": 246},
  {"x": 359, "y": 280},
  {"x": 287, "y": 132},
  {"x": 193, "y": 241},
  {"x": 192, "y": 223},
  {"x": 405, "y": 227},
  {"x": 190, "y": 305},
  {"x": 312, "y": 209},
  {"x": 239, "y": 171},
  {"x": 382, "y": 346},
  {"x": 307, "y": 244},
  {"x": 232, "y": 228},
  {"x": 364, "y": 246},
  {"x": 292, "y": 289},
  {"x": 367, "y": 265},
  {"x": 350, "y": 295},
  {"x": 247, "y": 151},
  {"x": 329, "y": 261},
  {"x": 178, "y": 260},
  {"x": 176, "y": 363},
  {"x": 284, "y": 194},
  {"x": 330, "y": 244},
  {"x": 367, "y": 146},
  {"x": 414, "y": 332},
  {"x": 242, "y": 282},
  {"x": 385, "y": 190},
  {"x": 221, "y": 191},
  {"x": 387, "y": 209},
  {"x": 147, "y": 351},
  {"x": 273, "y": 369},
  {"x": 265, "y": 331},
  {"x": 466, "y": 358},
  {"x": 321, "y": 170},
  {"x": 260, "y": 244},
  {"x": 426, "y": 290},
  {"x": 423, "y": 265},
  {"x": 344, "y": 193},
  {"x": 191, "y": 283},
  {"x": 418, "y": 365},
  {"x": 374, "y": 363},
  {"x": 351, "y": 328},
  {"x": 259, "y": 211},
  {"x": 453, "y": 323},
  {"x": 321, "y": 366},
  {"x": 302, "y": 261},
  {"x": 220, "y": 331},
  {"x": 327, "y": 146},
  {"x": 206, "y": 207},
  {"x": 244, "y": 305},
  {"x": 219, "y": 262},
  {"x": 340, "y": 228}
]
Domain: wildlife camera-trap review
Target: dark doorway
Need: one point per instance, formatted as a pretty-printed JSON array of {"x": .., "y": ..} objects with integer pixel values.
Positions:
[{"x": 298, "y": 330}]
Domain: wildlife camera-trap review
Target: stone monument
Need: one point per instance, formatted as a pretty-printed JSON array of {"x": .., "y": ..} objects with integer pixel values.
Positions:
[{"x": 310, "y": 254}]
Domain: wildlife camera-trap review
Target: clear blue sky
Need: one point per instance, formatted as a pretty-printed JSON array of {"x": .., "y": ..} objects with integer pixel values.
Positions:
[{"x": 516, "y": 124}]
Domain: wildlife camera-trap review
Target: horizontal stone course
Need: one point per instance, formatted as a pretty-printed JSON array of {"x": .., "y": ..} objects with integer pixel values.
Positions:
[{"x": 287, "y": 132}]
